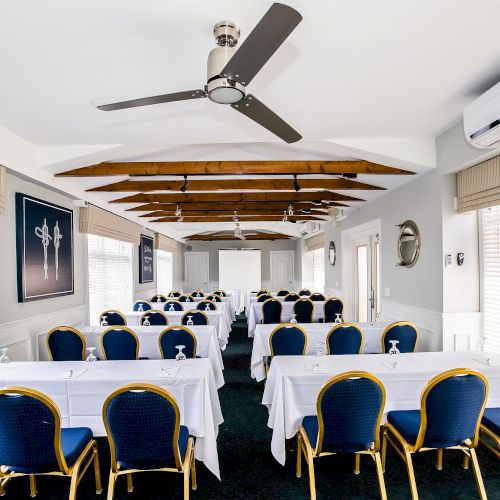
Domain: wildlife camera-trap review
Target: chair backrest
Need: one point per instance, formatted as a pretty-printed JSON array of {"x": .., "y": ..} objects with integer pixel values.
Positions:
[
  {"x": 142, "y": 422},
  {"x": 202, "y": 305},
  {"x": 185, "y": 298},
  {"x": 271, "y": 311},
  {"x": 155, "y": 318},
  {"x": 403, "y": 331},
  {"x": 292, "y": 297},
  {"x": 176, "y": 305},
  {"x": 288, "y": 339},
  {"x": 66, "y": 344},
  {"x": 30, "y": 431},
  {"x": 119, "y": 342},
  {"x": 350, "y": 407},
  {"x": 198, "y": 317},
  {"x": 214, "y": 298},
  {"x": 345, "y": 338},
  {"x": 113, "y": 317},
  {"x": 146, "y": 306},
  {"x": 331, "y": 308},
  {"x": 303, "y": 310},
  {"x": 220, "y": 293},
  {"x": 155, "y": 298},
  {"x": 317, "y": 297},
  {"x": 174, "y": 294},
  {"x": 261, "y": 291},
  {"x": 197, "y": 294},
  {"x": 282, "y": 293},
  {"x": 264, "y": 296},
  {"x": 451, "y": 408},
  {"x": 305, "y": 292},
  {"x": 177, "y": 335}
]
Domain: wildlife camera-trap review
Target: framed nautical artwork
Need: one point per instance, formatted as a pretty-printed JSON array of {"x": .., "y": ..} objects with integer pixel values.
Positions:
[
  {"x": 44, "y": 243},
  {"x": 146, "y": 259}
]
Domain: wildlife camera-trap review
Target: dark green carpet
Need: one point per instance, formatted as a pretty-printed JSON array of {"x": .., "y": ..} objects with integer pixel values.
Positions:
[{"x": 249, "y": 470}]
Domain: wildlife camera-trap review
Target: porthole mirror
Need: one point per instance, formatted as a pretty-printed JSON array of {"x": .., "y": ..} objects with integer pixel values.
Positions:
[
  {"x": 332, "y": 253},
  {"x": 408, "y": 244}
]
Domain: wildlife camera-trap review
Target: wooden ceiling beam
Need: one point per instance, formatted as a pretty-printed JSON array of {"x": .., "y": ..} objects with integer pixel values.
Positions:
[
  {"x": 260, "y": 218},
  {"x": 249, "y": 205},
  {"x": 235, "y": 197},
  {"x": 267, "y": 184},
  {"x": 145, "y": 168},
  {"x": 214, "y": 213},
  {"x": 229, "y": 237}
]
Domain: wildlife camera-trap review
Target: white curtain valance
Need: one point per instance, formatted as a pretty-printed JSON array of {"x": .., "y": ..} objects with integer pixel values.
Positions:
[
  {"x": 315, "y": 242},
  {"x": 479, "y": 186},
  {"x": 2, "y": 188},
  {"x": 165, "y": 243},
  {"x": 95, "y": 220}
]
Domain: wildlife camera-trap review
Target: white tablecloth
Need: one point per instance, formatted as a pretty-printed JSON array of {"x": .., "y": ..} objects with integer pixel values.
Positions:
[
  {"x": 215, "y": 318},
  {"x": 292, "y": 389},
  {"x": 316, "y": 332},
  {"x": 255, "y": 314},
  {"x": 80, "y": 400}
]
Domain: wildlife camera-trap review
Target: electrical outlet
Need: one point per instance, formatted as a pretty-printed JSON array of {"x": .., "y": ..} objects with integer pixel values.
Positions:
[
  {"x": 448, "y": 260},
  {"x": 387, "y": 291}
]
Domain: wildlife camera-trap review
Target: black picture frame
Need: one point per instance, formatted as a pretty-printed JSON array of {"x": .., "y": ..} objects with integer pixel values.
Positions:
[
  {"x": 44, "y": 247},
  {"x": 146, "y": 259}
]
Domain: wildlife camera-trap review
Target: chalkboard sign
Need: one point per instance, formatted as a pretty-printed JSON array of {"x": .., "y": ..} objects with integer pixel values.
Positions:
[{"x": 146, "y": 260}]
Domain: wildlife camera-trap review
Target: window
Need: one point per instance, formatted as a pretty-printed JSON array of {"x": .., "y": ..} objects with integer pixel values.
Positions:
[
  {"x": 164, "y": 272},
  {"x": 110, "y": 275},
  {"x": 490, "y": 290},
  {"x": 319, "y": 269}
]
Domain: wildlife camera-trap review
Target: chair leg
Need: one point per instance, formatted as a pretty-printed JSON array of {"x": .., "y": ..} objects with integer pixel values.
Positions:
[
  {"x": 477, "y": 474},
  {"x": 439, "y": 459},
  {"x": 33, "y": 490},
  {"x": 97, "y": 472},
  {"x": 299, "y": 457},
  {"x": 312, "y": 480},
  {"x": 74, "y": 483},
  {"x": 186, "y": 483},
  {"x": 465, "y": 463},
  {"x": 384, "y": 449},
  {"x": 380, "y": 475},
  {"x": 411, "y": 475},
  {"x": 194, "y": 484},
  {"x": 357, "y": 463},
  {"x": 130, "y": 483},
  {"x": 111, "y": 485}
]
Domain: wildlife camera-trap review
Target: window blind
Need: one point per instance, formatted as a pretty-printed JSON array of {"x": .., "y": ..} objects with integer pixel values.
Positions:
[
  {"x": 110, "y": 275},
  {"x": 2, "y": 188},
  {"x": 165, "y": 243},
  {"x": 163, "y": 272},
  {"x": 315, "y": 242},
  {"x": 491, "y": 278}
]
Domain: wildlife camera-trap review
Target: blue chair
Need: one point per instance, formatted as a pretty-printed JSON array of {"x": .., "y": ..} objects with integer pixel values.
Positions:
[
  {"x": 142, "y": 423},
  {"x": 404, "y": 332},
  {"x": 177, "y": 335},
  {"x": 451, "y": 408},
  {"x": 113, "y": 318},
  {"x": 220, "y": 293},
  {"x": 154, "y": 298},
  {"x": 202, "y": 305},
  {"x": 283, "y": 292},
  {"x": 146, "y": 306},
  {"x": 66, "y": 344},
  {"x": 288, "y": 340},
  {"x": 263, "y": 297},
  {"x": 197, "y": 294},
  {"x": 345, "y": 338},
  {"x": 261, "y": 291},
  {"x": 175, "y": 294},
  {"x": 214, "y": 298},
  {"x": 303, "y": 310},
  {"x": 317, "y": 297},
  {"x": 198, "y": 317},
  {"x": 305, "y": 292},
  {"x": 185, "y": 298},
  {"x": 490, "y": 430},
  {"x": 271, "y": 311},
  {"x": 154, "y": 317},
  {"x": 119, "y": 343},
  {"x": 349, "y": 410},
  {"x": 292, "y": 297},
  {"x": 331, "y": 308},
  {"x": 176, "y": 305},
  {"x": 34, "y": 443}
]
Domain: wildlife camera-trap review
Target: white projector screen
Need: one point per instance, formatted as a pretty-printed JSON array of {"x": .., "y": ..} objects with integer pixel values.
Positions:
[{"x": 239, "y": 269}]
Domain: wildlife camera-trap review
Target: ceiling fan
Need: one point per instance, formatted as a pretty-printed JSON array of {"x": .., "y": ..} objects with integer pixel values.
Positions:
[{"x": 230, "y": 70}]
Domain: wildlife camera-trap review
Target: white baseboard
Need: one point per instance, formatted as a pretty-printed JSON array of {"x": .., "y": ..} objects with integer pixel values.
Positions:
[{"x": 461, "y": 331}]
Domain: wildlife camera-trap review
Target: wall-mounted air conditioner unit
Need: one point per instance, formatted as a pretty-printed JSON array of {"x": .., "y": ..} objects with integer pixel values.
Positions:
[
  {"x": 309, "y": 227},
  {"x": 482, "y": 120}
]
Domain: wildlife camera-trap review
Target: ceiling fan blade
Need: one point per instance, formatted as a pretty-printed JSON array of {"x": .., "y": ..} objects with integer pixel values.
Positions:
[
  {"x": 252, "y": 108},
  {"x": 157, "y": 99},
  {"x": 265, "y": 39}
]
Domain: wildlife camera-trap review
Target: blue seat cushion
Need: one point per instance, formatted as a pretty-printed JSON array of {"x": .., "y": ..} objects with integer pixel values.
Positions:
[
  {"x": 73, "y": 442},
  {"x": 407, "y": 423},
  {"x": 183, "y": 442},
  {"x": 311, "y": 427},
  {"x": 491, "y": 419}
]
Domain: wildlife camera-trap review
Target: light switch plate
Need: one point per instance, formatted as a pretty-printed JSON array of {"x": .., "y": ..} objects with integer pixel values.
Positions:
[
  {"x": 448, "y": 260},
  {"x": 387, "y": 292}
]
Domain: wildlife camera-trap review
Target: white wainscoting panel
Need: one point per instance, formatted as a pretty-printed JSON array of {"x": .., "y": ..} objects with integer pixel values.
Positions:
[{"x": 461, "y": 331}]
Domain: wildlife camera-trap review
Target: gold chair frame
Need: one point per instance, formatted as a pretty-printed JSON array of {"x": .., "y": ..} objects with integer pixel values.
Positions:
[
  {"x": 66, "y": 329},
  {"x": 177, "y": 327},
  {"x": 339, "y": 327},
  {"x": 124, "y": 328}
]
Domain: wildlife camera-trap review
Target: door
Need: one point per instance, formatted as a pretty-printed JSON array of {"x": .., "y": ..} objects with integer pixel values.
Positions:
[
  {"x": 282, "y": 270},
  {"x": 196, "y": 270},
  {"x": 367, "y": 278}
]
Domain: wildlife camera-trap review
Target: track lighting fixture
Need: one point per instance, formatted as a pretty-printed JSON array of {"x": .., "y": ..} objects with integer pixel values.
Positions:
[
  {"x": 285, "y": 217},
  {"x": 290, "y": 209},
  {"x": 296, "y": 184},
  {"x": 185, "y": 185}
]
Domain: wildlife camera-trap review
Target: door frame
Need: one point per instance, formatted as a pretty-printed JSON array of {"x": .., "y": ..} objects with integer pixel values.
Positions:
[
  {"x": 271, "y": 253},
  {"x": 207, "y": 255}
]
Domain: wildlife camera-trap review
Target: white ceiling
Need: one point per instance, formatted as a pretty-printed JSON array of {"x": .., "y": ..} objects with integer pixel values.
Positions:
[{"x": 351, "y": 73}]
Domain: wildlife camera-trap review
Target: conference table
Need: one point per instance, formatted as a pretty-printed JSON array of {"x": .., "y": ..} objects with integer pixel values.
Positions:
[
  {"x": 316, "y": 332},
  {"x": 225, "y": 306},
  {"x": 293, "y": 383},
  {"x": 255, "y": 313},
  {"x": 80, "y": 394}
]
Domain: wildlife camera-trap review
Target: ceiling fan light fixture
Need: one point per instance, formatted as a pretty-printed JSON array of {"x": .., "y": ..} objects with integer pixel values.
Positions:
[{"x": 225, "y": 91}]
